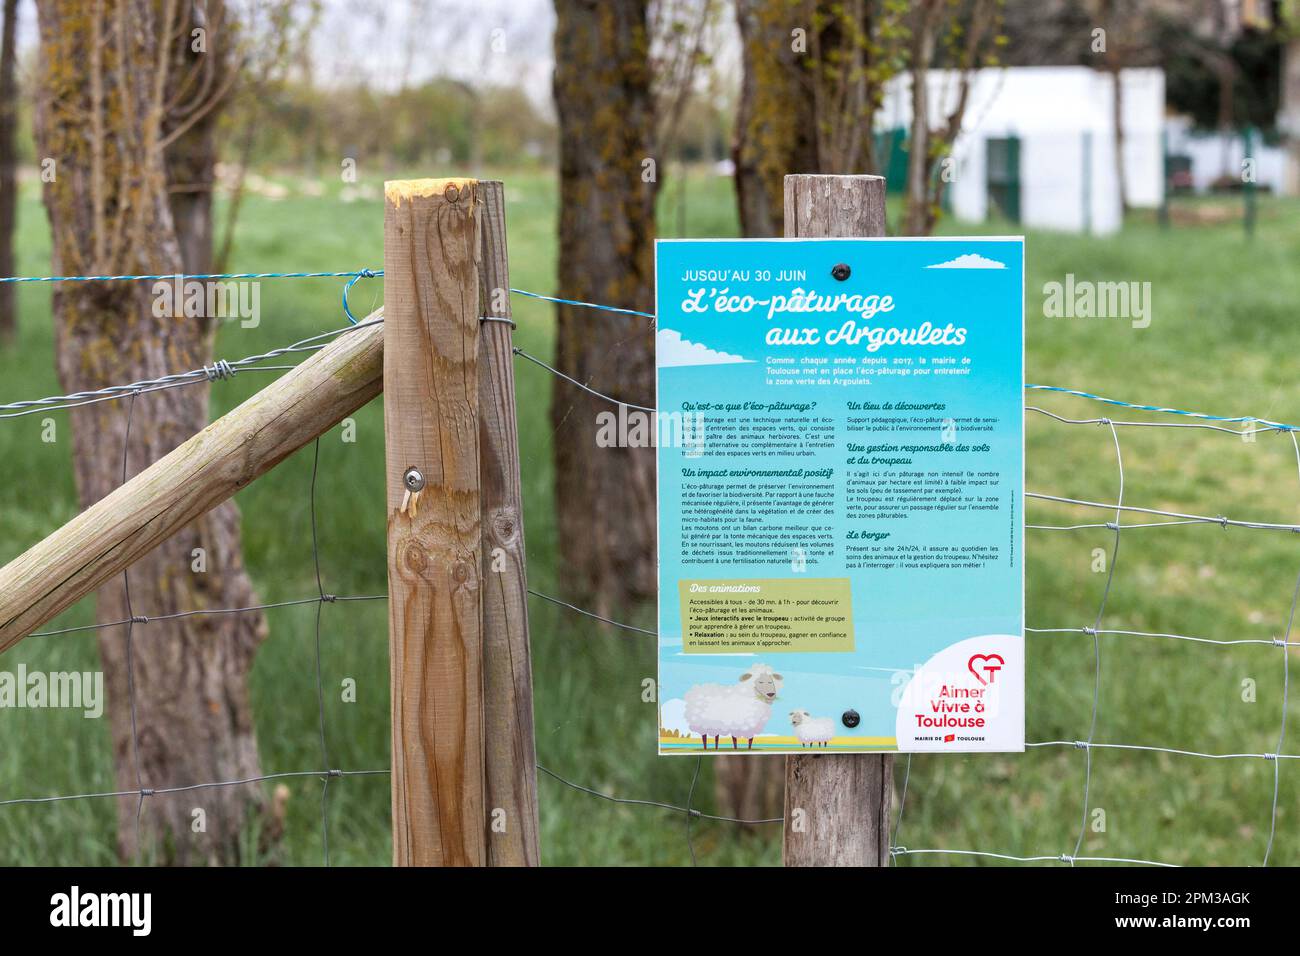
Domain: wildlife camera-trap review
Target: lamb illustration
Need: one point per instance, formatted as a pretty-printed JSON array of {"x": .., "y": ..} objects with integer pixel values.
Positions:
[
  {"x": 733, "y": 710},
  {"x": 811, "y": 730}
]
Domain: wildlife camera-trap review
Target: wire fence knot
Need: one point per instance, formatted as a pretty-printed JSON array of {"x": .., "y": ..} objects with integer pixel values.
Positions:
[
  {"x": 1082, "y": 744},
  {"x": 1223, "y": 522},
  {"x": 219, "y": 371},
  {"x": 139, "y": 619},
  {"x": 146, "y": 792},
  {"x": 334, "y": 773},
  {"x": 329, "y": 598},
  {"x": 1066, "y": 858}
]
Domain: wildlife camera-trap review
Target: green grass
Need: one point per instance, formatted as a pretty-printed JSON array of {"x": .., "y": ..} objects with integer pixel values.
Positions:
[{"x": 1220, "y": 341}]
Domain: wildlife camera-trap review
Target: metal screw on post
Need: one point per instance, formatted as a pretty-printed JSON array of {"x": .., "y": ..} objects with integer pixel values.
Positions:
[
  {"x": 413, "y": 479},
  {"x": 841, "y": 271}
]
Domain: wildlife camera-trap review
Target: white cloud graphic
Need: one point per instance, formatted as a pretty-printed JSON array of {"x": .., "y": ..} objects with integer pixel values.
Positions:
[
  {"x": 971, "y": 260},
  {"x": 673, "y": 350},
  {"x": 672, "y": 716}
]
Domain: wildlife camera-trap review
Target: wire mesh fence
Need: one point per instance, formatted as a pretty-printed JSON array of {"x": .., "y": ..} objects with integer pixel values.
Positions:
[
  {"x": 1114, "y": 522},
  {"x": 1249, "y": 426},
  {"x": 129, "y": 394}
]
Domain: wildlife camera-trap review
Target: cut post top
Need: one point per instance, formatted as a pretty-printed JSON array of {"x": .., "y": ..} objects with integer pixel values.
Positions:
[
  {"x": 851, "y": 176},
  {"x": 396, "y": 190}
]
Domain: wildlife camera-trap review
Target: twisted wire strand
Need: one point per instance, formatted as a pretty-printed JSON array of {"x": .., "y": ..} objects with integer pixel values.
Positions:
[{"x": 229, "y": 368}]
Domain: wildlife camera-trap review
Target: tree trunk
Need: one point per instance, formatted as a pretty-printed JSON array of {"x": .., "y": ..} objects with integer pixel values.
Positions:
[
  {"x": 1288, "y": 119},
  {"x": 192, "y": 158},
  {"x": 1117, "y": 117},
  {"x": 917, "y": 220},
  {"x": 774, "y": 133},
  {"x": 8, "y": 163},
  {"x": 100, "y": 118},
  {"x": 190, "y": 167},
  {"x": 1226, "y": 73},
  {"x": 918, "y": 160},
  {"x": 605, "y": 497}
]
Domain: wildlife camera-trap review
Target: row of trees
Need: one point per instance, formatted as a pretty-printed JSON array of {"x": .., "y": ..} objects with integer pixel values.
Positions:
[
  {"x": 814, "y": 73},
  {"x": 130, "y": 97},
  {"x": 813, "y": 76},
  {"x": 438, "y": 121}
]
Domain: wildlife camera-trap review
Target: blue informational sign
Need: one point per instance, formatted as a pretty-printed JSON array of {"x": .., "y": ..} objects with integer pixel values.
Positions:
[{"x": 841, "y": 482}]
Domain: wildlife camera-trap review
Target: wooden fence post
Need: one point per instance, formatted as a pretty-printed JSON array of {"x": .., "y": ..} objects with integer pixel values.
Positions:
[
  {"x": 507, "y": 658},
  {"x": 836, "y": 805},
  {"x": 432, "y": 250}
]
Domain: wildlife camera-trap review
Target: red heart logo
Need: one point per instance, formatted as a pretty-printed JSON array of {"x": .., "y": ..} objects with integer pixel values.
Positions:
[{"x": 989, "y": 667}]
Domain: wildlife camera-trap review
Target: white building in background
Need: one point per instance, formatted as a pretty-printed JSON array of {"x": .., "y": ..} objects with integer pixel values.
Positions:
[
  {"x": 1215, "y": 157},
  {"x": 1037, "y": 143}
]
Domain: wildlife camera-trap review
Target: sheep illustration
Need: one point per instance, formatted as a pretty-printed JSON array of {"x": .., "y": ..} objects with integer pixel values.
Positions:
[
  {"x": 811, "y": 730},
  {"x": 733, "y": 710}
]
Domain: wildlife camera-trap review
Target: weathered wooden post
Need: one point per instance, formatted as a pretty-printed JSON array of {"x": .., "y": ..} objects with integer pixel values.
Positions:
[
  {"x": 836, "y": 805},
  {"x": 507, "y": 657},
  {"x": 464, "y": 763},
  {"x": 432, "y": 250}
]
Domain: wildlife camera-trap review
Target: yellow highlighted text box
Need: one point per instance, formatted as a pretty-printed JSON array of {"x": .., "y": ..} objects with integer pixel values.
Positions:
[{"x": 766, "y": 615}]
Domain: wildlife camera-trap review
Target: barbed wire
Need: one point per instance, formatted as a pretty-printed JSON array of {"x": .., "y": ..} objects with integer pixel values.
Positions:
[
  {"x": 222, "y": 369},
  {"x": 218, "y": 371},
  {"x": 198, "y": 277}
]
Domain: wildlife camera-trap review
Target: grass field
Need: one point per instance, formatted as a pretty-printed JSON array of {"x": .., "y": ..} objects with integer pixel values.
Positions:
[{"x": 1223, "y": 326}]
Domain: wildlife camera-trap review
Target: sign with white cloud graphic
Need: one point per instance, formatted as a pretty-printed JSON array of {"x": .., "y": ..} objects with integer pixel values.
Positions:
[
  {"x": 969, "y": 260},
  {"x": 673, "y": 351},
  {"x": 841, "y": 542}
]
